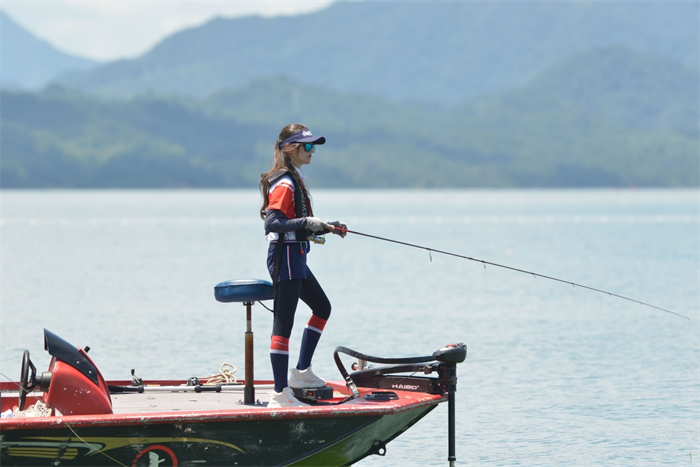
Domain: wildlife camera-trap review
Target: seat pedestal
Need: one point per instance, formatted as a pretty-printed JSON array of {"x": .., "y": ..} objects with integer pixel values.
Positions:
[
  {"x": 246, "y": 291},
  {"x": 249, "y": 390}
]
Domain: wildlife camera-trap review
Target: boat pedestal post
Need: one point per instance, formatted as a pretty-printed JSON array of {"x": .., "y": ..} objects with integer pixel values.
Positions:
[{"x": 249, "y": 389}]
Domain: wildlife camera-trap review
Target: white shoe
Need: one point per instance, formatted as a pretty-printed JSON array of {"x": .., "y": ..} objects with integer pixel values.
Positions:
[
  {"x": 284, "y": 399},
  {"x": 305, "y": 379}
]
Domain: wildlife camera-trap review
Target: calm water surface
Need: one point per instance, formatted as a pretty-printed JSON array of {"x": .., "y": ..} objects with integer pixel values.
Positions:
[{"x": 555, "y": 375}]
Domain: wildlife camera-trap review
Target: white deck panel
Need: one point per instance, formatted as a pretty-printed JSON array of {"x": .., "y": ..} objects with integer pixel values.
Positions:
[
  {"x": 156, "y": 399},
  {"x": 161, "y": 399}
]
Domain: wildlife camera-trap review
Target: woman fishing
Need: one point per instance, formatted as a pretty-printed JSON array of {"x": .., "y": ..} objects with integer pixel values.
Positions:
[{"x": 289, "y": 225}]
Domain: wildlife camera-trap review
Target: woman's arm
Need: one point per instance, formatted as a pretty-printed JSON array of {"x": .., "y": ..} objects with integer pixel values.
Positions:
[{"x": 275, "y": 221}]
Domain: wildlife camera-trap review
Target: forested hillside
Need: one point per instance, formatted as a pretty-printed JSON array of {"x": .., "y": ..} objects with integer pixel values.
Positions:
[{"x": 603, "y": 117}]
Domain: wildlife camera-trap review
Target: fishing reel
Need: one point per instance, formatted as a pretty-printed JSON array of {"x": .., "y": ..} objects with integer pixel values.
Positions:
[{"x": 317, "y": 239}]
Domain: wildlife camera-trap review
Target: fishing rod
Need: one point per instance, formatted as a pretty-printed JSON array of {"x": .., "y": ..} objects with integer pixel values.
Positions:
[{"x": 534, "y": 274}]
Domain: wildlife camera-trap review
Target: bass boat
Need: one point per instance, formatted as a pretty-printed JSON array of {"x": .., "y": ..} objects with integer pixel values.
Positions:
[{"x": 69, "y": 415}]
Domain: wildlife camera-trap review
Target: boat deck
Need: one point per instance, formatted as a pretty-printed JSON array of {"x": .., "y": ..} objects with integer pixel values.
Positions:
[
  {"x": 159, "y": 401},
  {"x": 168, "y": 400}
]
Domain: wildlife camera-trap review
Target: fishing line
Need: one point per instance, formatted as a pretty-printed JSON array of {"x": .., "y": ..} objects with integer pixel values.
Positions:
[
  {"x": 91, "y": 447},
  {"x": 11, "y": 380},
  {"x": 73, "y": 431},
  {"x": 534, "y": 274}
]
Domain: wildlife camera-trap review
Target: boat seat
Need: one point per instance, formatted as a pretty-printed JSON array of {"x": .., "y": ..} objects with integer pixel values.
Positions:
[
  {"x": 243, "y": 290},
  {"x": 246, "y": 291}
]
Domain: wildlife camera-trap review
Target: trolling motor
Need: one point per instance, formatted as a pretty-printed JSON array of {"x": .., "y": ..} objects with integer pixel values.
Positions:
[
  {"x": 443, "y": 362},
  {"x": 451, "y": 355}
]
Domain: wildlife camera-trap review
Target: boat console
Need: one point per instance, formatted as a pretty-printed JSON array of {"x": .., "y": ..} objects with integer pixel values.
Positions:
[{"x": 72, "y": 386}]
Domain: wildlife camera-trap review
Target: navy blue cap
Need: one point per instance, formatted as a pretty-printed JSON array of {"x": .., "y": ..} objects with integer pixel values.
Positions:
[{"x": 303, "y": 136}]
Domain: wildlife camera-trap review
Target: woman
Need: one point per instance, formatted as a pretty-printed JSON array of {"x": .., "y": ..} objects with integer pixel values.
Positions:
[{"x": 288, "y": 214}]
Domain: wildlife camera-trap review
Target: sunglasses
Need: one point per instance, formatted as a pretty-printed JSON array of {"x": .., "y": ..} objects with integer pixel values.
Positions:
[{"x": 308, "y": 147}]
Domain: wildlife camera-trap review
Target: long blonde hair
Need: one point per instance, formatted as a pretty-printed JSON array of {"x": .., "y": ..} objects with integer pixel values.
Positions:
[{"x": 282, "y": 162}]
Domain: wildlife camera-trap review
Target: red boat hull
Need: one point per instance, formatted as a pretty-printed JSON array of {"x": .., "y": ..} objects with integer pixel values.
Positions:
[{"x": 314, "y": 435}]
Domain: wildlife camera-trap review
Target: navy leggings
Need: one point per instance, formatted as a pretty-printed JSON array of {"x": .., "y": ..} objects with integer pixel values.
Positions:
[{"x": 287, "y": 297}]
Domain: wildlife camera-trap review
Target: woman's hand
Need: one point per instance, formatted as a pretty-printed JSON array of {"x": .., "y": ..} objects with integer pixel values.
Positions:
[
  {"x": 315, "y": 224},
  {"x": 339, "y": 225}
]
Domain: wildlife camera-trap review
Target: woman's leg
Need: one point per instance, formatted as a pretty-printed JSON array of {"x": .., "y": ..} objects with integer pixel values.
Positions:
[
  {"x": 313, "y": 295},
  {"x": 286, "y": 299}
]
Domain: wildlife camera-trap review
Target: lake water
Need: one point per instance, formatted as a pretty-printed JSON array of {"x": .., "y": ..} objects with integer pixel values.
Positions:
[{"x": 555, "y": 375}]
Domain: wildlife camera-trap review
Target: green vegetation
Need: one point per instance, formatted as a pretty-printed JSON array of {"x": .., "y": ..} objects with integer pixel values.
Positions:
[{"x": 605, "y": 117}]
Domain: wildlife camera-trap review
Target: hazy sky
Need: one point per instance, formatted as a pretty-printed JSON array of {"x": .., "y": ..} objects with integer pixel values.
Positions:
[{"x": 113, "y": 29}]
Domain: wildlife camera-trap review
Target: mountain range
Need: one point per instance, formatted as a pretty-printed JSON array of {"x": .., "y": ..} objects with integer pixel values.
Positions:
[
  {"x": 438, "y": 52},
  {"x": 30, "y": 63},
  {"x": 439, "y": 94}
]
